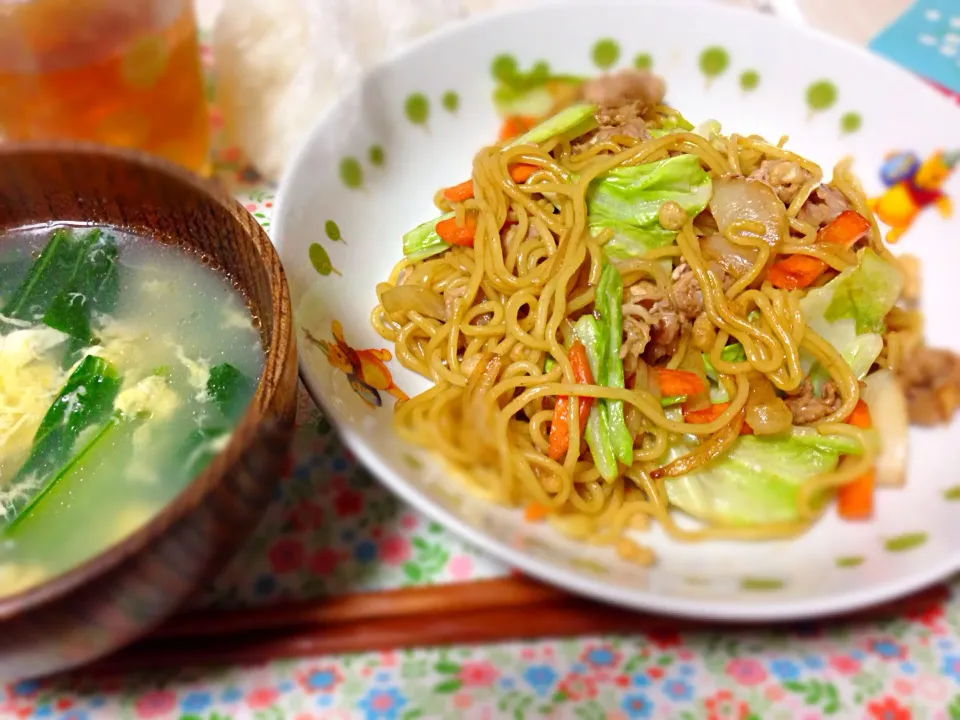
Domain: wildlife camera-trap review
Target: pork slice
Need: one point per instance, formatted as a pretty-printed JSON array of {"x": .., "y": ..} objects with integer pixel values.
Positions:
[
  {"x": 784, "y": 176},
  {"x": 807, "y": 408},
  {"x": 930, "y": 378},
  {"x": 686, "y": 293},
  {"x": 823, "y": 206},
  {"x": 625, "y": 87},
  {"x": 623, "y": 121},
  {"x": 665, "y": 330}
]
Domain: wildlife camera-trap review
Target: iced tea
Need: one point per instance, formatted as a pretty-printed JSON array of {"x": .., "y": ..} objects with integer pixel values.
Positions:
[{"x": 120, "y": 72}]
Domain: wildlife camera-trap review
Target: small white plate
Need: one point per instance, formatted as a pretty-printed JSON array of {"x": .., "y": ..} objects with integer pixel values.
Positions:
[{"x": 368, "y": 173}]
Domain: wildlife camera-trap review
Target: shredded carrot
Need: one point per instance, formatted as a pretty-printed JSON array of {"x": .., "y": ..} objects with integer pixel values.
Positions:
[
  {"x": 560, "y": 429},
  {"x": 520, "y": 173},
  {"x": 795, "y": 271},
  {"x": 514, "y": 125},
  {"x": 535, "y": 512},
  {"x": 845, "y": 229},
  {"x": 450, "y": 232},
  {"x": 583, "y": 376},
  {"x": 679, "y": 382},
  {"x": 560, "y": 425},
  {"x": 581, "y": 366},
  {"x": 709, "y": 414},
  {"x": 860, "y": 417},
  {"x": 459, "y": 193},
  {"x": 855, "y": 499}
]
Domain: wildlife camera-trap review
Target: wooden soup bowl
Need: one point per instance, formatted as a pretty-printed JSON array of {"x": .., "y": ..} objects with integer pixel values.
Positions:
[{"x": 130, "y": 588}]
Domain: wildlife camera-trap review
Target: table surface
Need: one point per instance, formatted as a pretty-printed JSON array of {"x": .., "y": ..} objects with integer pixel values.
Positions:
[{"x": 333, "y": 529}]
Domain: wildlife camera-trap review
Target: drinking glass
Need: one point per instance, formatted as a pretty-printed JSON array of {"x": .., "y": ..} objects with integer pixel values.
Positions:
[{"x": 119, "y": 72}]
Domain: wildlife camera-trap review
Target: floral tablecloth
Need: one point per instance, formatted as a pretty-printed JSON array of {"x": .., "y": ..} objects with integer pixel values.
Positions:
[{"x": 332, "y": 529}]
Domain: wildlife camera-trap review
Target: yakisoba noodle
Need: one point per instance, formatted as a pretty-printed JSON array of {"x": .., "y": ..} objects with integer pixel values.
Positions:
[{"x": 533, "y": 270}]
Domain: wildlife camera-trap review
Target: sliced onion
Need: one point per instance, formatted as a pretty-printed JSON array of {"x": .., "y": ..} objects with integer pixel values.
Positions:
[
  {"x": 646, "y": 379},
  {"x": 888, "y": 413},
  {"x": 634, "y": 419},
  {"x": 767, "y": 414},
  {"x": 477, "y": 408},
  {"x": 736, "y": 199},
  {"x": 734, "y": 259},
  {"x": 483, "y": 377},
  {"x": 403, "y": 298}
]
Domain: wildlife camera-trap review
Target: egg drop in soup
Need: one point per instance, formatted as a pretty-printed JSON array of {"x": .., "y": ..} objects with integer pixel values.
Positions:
[{"x": 125, "y": 364}]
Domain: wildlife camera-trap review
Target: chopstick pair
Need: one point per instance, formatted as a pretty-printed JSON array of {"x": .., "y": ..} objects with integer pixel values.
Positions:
[{"x": 486, "y": 611}]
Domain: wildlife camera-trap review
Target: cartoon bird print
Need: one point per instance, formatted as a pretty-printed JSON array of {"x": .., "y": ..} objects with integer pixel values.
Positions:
[
  {"x": 365, "y": 369},
  {"x": 912, "y": 186}
]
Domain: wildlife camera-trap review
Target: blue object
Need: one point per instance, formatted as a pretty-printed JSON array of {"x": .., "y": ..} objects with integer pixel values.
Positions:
[
  {"x": 785, "y": 669},
  {"x": 540, "y": 677},
  {"x": 231, "y": 695},
  {"x": 365, "y": 551},
  {"x": 900, "y": 167},
  {"x": 637, "y": 707},
  {"x": 926, "y": 40},
  {"x": 196, "y": 702}
]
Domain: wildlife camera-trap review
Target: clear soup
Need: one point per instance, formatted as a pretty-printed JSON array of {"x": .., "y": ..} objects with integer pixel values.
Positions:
[{"x": 124, "y": 367}]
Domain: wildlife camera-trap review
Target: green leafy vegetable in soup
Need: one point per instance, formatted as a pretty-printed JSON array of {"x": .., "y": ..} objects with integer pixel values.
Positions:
[{"x": 124, "y": 366}]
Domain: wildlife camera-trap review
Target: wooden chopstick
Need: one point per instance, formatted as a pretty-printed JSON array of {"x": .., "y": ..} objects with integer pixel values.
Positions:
[
  {"x": 467, "y": 613},
  {"x": 550, "y": 619},
  {"x": 423, "y": 601}
]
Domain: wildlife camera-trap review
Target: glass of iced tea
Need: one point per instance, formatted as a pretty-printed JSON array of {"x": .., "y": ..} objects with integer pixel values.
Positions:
[{"x": 119, "y": 72}]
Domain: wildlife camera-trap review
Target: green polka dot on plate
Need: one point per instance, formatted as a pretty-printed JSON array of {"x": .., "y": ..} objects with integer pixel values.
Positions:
[
  {"x": 714, "y": 61},
  {"x": 450, "y": 101},
  {"x": 376, "y": 155},
  {"x": 761, "y": 584},
  {"x": 321, "y": 260},
  {"x": 606, "y": 52},
  {"x": 332, "y": 230},
  {"x": 504, "y": 67},
  {"x": 907, "y": 541},
  {"x": 821, "y": 95},
  {"x": 850, "y": 122},
  {"x": 850, "y": 561},
  {"x": 643, "y": 61},
  {"x": 351, "y": 173},
  {"x": 417, "y": 108},
  {"x": 749, "y": 80}
]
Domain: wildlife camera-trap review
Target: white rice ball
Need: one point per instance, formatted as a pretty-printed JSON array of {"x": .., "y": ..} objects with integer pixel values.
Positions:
[{"x": 279, "y": 64}]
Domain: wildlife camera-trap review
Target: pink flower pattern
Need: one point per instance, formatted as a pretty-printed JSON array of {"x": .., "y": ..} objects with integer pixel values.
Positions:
[
  {"x": 460, "y": 567},
  {"x": 286, "y": 556},
  {"x": 395, "y": 550},
  {"x": 155, "y": 704},
  {"x": 478, "y": 674},
  {"x": 261, "y": 698},
  {"x": 844, "y": 664},
  {"x": 746, "y": 671}
]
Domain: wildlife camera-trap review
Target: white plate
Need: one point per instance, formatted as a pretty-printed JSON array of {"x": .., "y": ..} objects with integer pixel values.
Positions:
[{"x": 368, "y": 173}]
